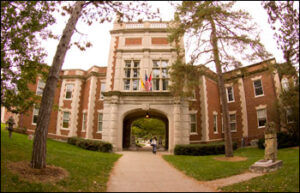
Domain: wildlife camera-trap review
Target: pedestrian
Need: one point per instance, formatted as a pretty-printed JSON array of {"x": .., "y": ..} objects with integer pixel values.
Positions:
[
  {"x": 153, "y": 143},
  {"x": 10, "y": 122}
]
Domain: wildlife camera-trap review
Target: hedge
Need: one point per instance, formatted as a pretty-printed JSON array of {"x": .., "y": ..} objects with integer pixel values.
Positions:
[
  {"x": 283, "y": 140},
  {"x": 202, "y": 149},
  {"x": 90, "y": 144}
]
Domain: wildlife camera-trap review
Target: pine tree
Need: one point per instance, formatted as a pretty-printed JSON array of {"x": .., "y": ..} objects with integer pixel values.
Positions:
[
  {"x": 220, "y": 34},
  {"x": 91, "y": 11}
]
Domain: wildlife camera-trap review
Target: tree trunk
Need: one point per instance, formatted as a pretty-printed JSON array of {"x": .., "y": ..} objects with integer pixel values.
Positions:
[
  {"x": 226, "y": 126},
  {"x": 40, "y": 138}
]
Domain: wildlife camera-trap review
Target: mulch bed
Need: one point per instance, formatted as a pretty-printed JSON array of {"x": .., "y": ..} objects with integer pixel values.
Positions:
[
  {"x": 231, "y": 159},
  {"x": 50, "y": 174}
]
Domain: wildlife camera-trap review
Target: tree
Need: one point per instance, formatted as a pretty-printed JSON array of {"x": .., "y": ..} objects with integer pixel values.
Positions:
[
  {"x": 284, "y": 20},
  {"x": 89, "y": 11},
  {"x": 148, "y": 127},
  {"x": 21, "y": 55},
  {"x": 218, "y": 33}
]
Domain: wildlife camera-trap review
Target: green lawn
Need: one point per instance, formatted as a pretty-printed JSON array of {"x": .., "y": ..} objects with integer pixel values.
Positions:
[
  {"x": 206, "y": 168},
  {"x": 84, "y": 167}
]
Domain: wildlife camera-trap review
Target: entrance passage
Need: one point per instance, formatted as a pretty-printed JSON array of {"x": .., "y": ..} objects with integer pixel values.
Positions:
[{"x": 140, "y": 126}]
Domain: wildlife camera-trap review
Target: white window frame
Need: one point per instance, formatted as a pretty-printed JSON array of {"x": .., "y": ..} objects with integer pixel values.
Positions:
[
  {"x": 100, "y": 122},
  {"x": 83, "y": 127},
  {"x": 230, "y": 122},
  {"x": 257, "y": 118},
  {"x": 69, "y": 91},
  {"x": 131, "y": 78},
  {"x": 215, "y": 124},
  {"x": 160, "y": 78},
  {"x": 35, "y": 110},
  {"x": 66, "y": 120},
  {"x": 102, "y": 89},
  {"x": 261, "y": 88},
  {"x": 193, "y": 123},
  {"x": 228, "y": 94},
  {"x": 40, "y": 87}
]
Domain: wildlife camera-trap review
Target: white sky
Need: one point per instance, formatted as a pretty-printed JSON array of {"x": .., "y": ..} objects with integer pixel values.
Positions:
[{"x": 99, "y": 36}]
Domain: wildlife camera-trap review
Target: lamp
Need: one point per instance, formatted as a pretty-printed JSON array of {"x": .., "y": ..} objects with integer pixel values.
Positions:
[{"x": 147, "y": 115}]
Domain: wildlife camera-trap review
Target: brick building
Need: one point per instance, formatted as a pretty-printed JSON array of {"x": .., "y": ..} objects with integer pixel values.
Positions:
[{"x": 102, "y": 102}]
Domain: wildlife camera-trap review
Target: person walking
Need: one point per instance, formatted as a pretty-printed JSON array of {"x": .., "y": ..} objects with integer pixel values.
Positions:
[
  {"x": 10, "y": 122},
  {"x": 154, "y": 144}
]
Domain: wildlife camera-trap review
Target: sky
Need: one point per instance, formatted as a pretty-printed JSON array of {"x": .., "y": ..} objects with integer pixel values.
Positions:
[{"x": 99, "y": 36}]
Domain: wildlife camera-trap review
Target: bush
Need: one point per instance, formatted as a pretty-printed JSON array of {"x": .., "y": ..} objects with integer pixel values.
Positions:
[
  {"x": 202, "y": 149},
  {"x": 283, "y": 140},
  {"x": 90, "y": 144}
]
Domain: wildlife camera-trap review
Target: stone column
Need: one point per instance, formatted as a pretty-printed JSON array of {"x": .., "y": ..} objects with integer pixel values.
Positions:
[
  {"x": 114, "y": 122},
  {"x": 270, "y": 142},
  {"x": 177, "y": 123}
]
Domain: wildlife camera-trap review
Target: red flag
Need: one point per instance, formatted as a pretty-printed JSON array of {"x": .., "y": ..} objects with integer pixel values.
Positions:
[{"x": 150, "y": 83}]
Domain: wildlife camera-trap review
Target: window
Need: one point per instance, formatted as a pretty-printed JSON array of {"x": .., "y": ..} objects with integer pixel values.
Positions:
[
  {"x": 40, "y": 87},
  {"x": 66, "y": 119},
  {"x": 261, "y": 117},
  {"x": 215, "y": 123},
  {"x": 132, "y": 74},
  {"x": 289, "y": 115},
  {"x": 35, "y": 116},
  {"x": 230, "y": 95},
  {"x": 258, "y": 88},
  {"x": 69, "y": 89},
  {"x": 160, "y": 75},
  {"x": 193, "y": 123},
  {"x": 102, "y": 90},
  {"x": 232, "y": 122},
  {"x": 83, "y": 121},
  {"x": 100, "y": 118}
]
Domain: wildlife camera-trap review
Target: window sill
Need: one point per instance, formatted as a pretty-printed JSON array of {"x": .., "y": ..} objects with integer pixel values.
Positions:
[
  {"x": 257, "y": 96},
  {"x": 67, "y": 99},
  {"x": 193, "y": 133},
  {"x": 230, "y": 101},
  {"x": 99, "y": 132},
  {"x": 261, "y": 127}
]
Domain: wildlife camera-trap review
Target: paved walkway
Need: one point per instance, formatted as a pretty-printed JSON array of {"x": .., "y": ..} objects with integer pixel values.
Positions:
[{"x": 146, "y": 172}]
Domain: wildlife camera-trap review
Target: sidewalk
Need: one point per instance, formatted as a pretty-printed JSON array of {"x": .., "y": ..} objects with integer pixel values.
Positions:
[{"x": 146, "y": 172}]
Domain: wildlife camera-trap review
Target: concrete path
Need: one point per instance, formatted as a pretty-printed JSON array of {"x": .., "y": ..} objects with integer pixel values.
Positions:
[{"x": 146, "y": 172}]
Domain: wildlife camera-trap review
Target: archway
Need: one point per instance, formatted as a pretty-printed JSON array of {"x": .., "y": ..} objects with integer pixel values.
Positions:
[{"x": 137, "y": 114}]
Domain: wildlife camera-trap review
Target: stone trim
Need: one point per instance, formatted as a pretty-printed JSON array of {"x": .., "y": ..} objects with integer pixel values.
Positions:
[
  {"x": 204, "y": 110},
  {"x": 91, "y": 107},
  {"x": 119, "y": 93},
  {"x": 243, "y": 108},
  {"x": 114, "y": 62}
]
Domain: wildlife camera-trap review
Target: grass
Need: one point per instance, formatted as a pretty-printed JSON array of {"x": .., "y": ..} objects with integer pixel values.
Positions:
[
  {"x": 205, "y": 168},
  {"x": 84, "y": 167}
]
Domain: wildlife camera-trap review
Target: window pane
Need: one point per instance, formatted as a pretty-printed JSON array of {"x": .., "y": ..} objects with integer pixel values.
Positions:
[
  {"x": 156, "y": 73},
  {"x": 136, "y": 73},
  {"x": 193, "y": 128},
  {"x": 155, "y": 84},
  {"x": 233, "y": 126},
  {"x": 230, "y": 94},
  {"x": 215, "y": 123},
  {"x": 164, "y": 73},
  {"x": 100, "y": 117},
  {"x": 261, "y": 113},
  {"x": 66, "y": 119},
  {"x": 165, "y": 84},
  {"x": 136, "y": 64},
  {"x": 135, "y": 84},
  {"x": 102, "y": 90},
  {"x": 127, "y": 73},
  {"x": 193, "y": 118},
  {"x": 258, "y": 87},
  {"x": 164, "y": 63},
  {"x": 262, "y": 122},
  {"x": 126, "y": 84},
  {"x": 232, "y": 117},
  {"x": 156, "y": 63},
  {"x": 69, "y": 88},
  {"x": 127, "y": 63}
]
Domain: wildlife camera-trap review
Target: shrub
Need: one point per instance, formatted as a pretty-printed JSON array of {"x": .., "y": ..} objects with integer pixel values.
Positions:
[
  {"x": 202, "y": 149},
  {"x": 90, "y": 144},
  {"x": 283, "y": 140}
]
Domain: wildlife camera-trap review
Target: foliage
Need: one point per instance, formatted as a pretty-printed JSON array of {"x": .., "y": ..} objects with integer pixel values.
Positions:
[
  {"x": 21, "y": 54},
  {"x": 219, "y": 35},
  {"x": 201, "y": 149},
  {"x": 84, "y": 167},
  {"x": 284, "y": 140},
  {"x": 90, "y": 144},
  {"x": 146, "y": 128},
  {"x": 284, "y": 19}
]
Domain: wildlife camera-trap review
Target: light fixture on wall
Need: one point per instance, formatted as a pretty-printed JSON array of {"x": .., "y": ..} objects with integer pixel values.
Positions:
[{"x": 147, "y": 115}]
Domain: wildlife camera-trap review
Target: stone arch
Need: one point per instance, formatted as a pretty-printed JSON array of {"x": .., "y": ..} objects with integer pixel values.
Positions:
[{"x": 134, "y": 114}]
